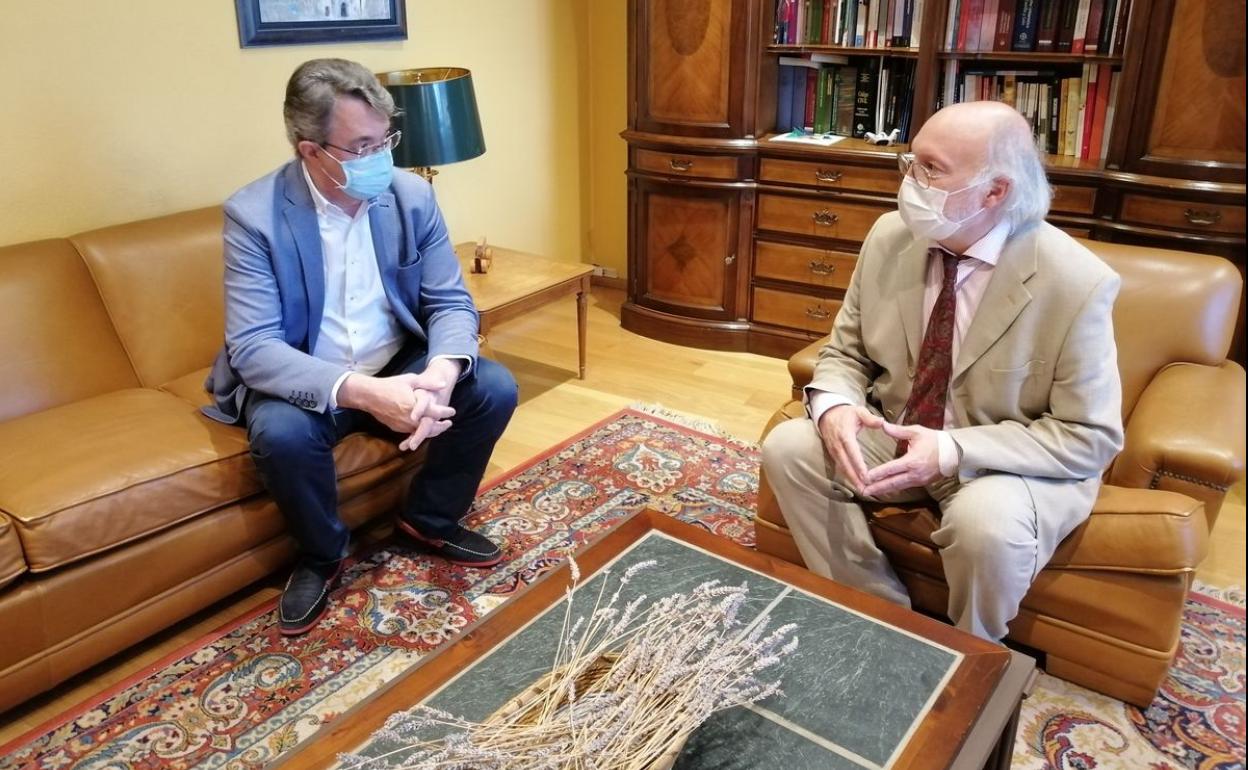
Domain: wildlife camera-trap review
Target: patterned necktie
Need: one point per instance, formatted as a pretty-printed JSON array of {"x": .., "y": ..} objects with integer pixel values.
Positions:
[{"x": 926, "y": 405}]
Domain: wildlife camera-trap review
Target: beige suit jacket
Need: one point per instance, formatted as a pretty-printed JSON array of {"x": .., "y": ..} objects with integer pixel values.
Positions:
[{"x": 1035, "y": 388}]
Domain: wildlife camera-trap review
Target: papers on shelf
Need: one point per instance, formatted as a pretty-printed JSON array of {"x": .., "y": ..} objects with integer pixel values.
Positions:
[{"x": 822, "y": 140}]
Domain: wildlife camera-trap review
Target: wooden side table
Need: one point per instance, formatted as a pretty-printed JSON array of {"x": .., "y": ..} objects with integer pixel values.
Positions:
[{"x": 518, "y": 282}]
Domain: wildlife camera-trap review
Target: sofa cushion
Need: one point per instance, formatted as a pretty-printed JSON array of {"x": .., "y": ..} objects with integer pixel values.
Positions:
[
  {"x": 56, "y": 342},
  {"x": 12, "y": 561},
  {"x": 82, "y": 478},
  {"x": 161, "y": 282},
  {"x": 190, "y": 387},
  {"x": 89, "y": 476}
]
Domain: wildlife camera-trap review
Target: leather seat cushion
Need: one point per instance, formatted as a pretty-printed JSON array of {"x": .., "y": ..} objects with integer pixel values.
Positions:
[
  {"x": 89, "y": 476},
  {"x": 1130, "y": 530},
  {"x": 190, "y": 387},
  {"x": 12, "y": 561}
]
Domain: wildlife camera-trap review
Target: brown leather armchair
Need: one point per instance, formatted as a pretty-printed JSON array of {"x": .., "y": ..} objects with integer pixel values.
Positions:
[{"x": 1106, "y": 611}]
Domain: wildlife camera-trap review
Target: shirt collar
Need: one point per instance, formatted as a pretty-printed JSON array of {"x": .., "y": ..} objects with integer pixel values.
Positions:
[{"x": 988, "y": 249}]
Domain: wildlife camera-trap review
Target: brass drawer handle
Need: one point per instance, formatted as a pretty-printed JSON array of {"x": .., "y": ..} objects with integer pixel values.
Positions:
[
  {"x": 828, "y": 176},
  {"x": 1202, "y": 216},
  {"x": 680, "y": 164},
  {"x": 818, "y": 313},
  {"x": 825, "y": 218},
  {"x": 821, "y": 268}
]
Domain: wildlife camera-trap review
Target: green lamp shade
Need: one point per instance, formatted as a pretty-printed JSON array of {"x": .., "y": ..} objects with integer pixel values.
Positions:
[{"x": 438, "y": 116}]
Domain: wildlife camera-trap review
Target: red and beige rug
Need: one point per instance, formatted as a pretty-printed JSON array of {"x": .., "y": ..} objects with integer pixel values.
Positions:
[{"x": 245, "y": 695}]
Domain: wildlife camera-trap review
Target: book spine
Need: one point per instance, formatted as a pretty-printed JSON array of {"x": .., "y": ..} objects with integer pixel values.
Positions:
[
  {"x": 1046, "y": 34},
  {"x": 1089, "y": 111},
  {"x": 1105, "y": 42},
  {"x": 784, "y": 99},
  {"x": 1100, "y": 107},
  {"x": 1078, "y": 41},
  {"x": 1066, "y": 27},
  {"x": 1055, "y": 116},
  {"x": 1025, "y": 18},
  {"x": 916, "y": 23},
  {"x": 1109, "y": 115},
  {"x": 1005, "y": 25},
  {"x": 1092, "y": 38},
  {"x": 864, "y": 97},
  {"x": 988, "y": 26},
  {"x": 812, "y": 88},
  {"x": 822, "y": 105},
  {"x": 974, "y": 21}
]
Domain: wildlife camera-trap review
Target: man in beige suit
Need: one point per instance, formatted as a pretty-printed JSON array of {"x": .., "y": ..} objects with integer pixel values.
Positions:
[{"x": 973, "y": 361}]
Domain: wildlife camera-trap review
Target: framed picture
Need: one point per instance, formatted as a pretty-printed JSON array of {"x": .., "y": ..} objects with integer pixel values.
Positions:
[{"x": 296, "y": 22}]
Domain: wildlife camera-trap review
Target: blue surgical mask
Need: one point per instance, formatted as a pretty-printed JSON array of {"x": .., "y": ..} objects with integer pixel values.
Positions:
[{"x": 367, "y": 177}]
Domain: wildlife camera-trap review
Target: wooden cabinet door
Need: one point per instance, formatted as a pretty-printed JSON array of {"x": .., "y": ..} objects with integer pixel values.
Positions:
[
  {"x": 685, "y": 249},
  {"x": 1187, "y": 118},
  {"x": 690, "y": 65}
]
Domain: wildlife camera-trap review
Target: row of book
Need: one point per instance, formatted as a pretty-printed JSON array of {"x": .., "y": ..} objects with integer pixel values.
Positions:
[
  {"x": 851, "y": 23},
  {"x": 1092, "y": 27},
  {"x": 1069, "y": 116},
  {"x": 825, "y": 94}
]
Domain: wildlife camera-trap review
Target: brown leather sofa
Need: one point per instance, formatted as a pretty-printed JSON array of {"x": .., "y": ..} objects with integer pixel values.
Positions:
[
  {"x": 1106, "y": 611},
  {"x": 122, "y": 508}
]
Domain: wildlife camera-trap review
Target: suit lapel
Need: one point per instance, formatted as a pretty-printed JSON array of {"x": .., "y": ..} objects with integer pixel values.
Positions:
[
  {"x": 1003, "y": 300},
  {"x": 301, "y": 217},
  {"x": 383, "y": 221},
  {"x": 911, "y": 278}
]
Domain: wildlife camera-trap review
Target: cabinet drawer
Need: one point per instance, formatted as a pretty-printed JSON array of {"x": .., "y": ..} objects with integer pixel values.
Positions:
[
  {"x": 831, "y": 176},
  {"x": 795, "y": 310},
  {"x": 802, "y": 264},
  {"x": 1183, "y": 215},
  {"x": 818, "y": 217},
  {"x": 1072, "y": 199},
  {"x": 680, "y": 164}
]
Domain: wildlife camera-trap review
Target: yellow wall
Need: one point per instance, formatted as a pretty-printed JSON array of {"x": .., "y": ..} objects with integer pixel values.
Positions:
[
  {"x": 115, "y": 111},
  {"x": 607, "y": 113}
]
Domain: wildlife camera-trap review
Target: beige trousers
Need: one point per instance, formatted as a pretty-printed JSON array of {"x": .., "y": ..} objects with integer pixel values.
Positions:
[{"x": 997, "y": 531}]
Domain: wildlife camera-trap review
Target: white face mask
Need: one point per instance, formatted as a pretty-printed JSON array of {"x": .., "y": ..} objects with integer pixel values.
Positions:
[{"x": 923, "y": 211}]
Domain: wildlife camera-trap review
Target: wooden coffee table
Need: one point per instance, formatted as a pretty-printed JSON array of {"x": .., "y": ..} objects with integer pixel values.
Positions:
[
  {"x": 871, "y": 685},
  {"x": 518, "y": 282}
]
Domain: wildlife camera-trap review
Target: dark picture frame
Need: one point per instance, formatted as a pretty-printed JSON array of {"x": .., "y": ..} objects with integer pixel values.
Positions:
[{"x": 301, "y": 22}]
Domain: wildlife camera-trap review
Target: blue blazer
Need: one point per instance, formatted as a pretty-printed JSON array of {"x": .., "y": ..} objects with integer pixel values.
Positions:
[{"x": 275, "y": 288}]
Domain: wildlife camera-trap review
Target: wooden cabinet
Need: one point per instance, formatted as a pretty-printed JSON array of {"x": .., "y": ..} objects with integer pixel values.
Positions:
[
  {"x": 743, "y": 243},
  {"x": 689, "y": 77}
]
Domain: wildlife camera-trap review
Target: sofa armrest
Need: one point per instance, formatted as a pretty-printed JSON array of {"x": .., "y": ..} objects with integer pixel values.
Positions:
[
  {"x": 802, "y": 366},
  {"x": 1186, "y": 434},
  {"x": 1137, "y": 530}
]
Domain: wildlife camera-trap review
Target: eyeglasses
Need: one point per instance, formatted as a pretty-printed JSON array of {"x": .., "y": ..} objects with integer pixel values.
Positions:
[
  {"x": 389, "y": 143},
  {"x": 923, "y": 174}
]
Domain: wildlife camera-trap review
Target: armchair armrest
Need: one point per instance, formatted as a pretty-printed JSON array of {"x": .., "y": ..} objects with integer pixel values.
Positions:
[
  {"x": 1186, "y": 434},
  {"x": 1137, "y": 530},
  {"x": 802, "y": 366}
]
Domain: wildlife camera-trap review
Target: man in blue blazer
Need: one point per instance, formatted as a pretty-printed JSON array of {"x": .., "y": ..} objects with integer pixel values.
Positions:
[{"x": 345, "y": 310}]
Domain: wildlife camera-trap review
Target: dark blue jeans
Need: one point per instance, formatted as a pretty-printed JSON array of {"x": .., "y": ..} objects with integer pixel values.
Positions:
[{"x": 294, "y": 450}]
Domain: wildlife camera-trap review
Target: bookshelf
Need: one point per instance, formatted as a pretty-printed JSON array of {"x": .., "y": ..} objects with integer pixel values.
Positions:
[{"x": 740, "y": 242}]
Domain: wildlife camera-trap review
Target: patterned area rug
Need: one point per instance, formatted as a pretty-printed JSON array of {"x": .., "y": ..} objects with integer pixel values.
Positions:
[{"x": 245, "y": 695}]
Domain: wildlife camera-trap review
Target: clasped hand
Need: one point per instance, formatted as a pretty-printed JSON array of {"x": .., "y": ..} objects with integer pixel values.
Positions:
[
  {"x": 415, "y": 404},
  {"x": 918, "y": 466}
]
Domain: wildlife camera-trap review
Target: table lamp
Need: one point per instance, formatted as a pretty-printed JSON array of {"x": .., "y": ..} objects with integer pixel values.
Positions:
[{"x": 438, "y": 117}]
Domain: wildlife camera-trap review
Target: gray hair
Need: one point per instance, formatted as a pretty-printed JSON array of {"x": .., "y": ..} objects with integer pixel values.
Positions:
[
  {"x": 314, "y": 86},
  {"x": 1013, "y": 154}
]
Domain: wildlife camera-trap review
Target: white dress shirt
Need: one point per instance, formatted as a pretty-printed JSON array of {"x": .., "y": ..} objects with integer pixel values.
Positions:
[
  {"x": 971, "y": 282},
  {"x": 359, "y": 330}
]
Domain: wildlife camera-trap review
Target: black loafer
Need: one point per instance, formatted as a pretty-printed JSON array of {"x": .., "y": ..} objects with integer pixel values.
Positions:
[
  {"x": 464, "y": 547},
  {"x": 306, "y": 596}
]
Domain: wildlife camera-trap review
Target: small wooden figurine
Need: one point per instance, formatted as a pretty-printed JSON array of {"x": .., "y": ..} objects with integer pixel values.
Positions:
[{"x": 482, "y": 257}]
